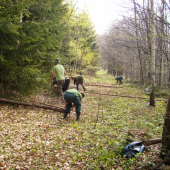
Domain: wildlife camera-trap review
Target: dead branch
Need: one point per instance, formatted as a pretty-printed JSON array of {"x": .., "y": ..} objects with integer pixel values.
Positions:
[
  {"x": 152, "y": 141},
  {"x": 119, "y": 95},
  {"x": 146, "y": 142},
  {"x": 34, "y": 105}
]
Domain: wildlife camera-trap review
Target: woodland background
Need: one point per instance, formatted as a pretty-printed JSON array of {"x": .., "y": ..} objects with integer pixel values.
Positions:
[{"x": 34, "y": 33}]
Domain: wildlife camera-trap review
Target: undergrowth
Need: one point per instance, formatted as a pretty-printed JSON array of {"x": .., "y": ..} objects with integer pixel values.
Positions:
[{"x": 34, "y": 138}]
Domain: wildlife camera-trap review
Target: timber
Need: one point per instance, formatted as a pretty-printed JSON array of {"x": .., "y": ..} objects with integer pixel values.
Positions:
[
  {"x": 146, "y": 142},
  {"x": 119, "y": 95},
  {"x": 34, "y": 105},
  {"x": 152, "y": 141},
  {"x": 103, "y": 85}
]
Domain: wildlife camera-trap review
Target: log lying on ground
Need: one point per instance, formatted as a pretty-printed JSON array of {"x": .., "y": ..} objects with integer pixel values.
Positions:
[
  {"x": 34, "y": 105},
  {"x": 119, "y": 95},
  {"x": 103, "y": 85},
  {"x": 152, "y": 141},
  {"x": 146, "y": 142}
]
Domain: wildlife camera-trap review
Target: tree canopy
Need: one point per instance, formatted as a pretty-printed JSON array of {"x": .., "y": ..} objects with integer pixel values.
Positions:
[{"x": 33, "y": 33}]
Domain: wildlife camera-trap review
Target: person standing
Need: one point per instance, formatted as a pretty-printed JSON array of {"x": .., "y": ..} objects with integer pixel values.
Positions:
[
  {"x": 79, "y": 80},
  {"x": 59, "y": 72},
  {"x": 66, "y": 84},
  {"x": 73, "y": 99}
]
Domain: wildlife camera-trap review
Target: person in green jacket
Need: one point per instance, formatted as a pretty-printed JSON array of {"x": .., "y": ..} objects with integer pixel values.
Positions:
[
  {"x": 59, "y": 72},
  {"x": 73, "y": 99}
]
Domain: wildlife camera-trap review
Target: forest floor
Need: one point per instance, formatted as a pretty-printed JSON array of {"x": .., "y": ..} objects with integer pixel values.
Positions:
[{"x": 34, "y": 138}]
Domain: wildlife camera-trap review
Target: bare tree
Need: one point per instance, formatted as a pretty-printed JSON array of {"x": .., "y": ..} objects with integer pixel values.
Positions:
[
  {"x": 130, "y": 42},
  {"x": 152, "y": 95},
  {"x": 138, "y": 47}
]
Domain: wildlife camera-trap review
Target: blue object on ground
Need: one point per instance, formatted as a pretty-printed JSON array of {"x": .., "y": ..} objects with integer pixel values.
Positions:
[{"x": 132, "y": 149}]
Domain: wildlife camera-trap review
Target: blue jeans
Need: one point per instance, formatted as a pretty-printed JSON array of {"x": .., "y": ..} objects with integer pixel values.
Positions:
[{"x": 71, "y": 98}]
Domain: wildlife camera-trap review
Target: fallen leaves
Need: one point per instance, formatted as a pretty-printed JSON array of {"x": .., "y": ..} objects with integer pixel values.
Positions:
[{"x": 32, "y": 138}]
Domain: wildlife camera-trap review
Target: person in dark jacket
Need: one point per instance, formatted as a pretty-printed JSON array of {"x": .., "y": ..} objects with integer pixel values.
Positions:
[
  {"x": 73, "y": 99},
  {"x": 119, "y": 79},
  {"x": 78, "y": 80}
]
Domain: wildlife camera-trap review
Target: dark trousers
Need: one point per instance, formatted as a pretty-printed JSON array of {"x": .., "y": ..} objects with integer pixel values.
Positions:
[
  {"x": 71, "y": 98},
  {"x": 66, "y": 85},
  {"x": 82, "y": 86}
]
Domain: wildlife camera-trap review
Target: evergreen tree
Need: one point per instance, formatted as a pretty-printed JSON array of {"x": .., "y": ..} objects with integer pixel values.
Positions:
[{"x": 30, "y": 36}]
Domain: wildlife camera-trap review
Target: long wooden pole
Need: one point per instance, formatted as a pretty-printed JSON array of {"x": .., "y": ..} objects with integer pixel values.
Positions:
[
  {"x": 33, "y": 105},
  {"x": 100, "y": 85},
  {"x": 118, "y": 95}
]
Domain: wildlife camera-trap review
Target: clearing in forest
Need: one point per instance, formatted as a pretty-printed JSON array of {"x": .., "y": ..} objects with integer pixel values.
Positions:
[{"x": 33, "y": 138}]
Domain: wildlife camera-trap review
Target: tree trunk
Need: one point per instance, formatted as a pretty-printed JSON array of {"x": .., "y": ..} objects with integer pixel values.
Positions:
[
  {"x": 161, "y": 44},
  {"x": 166, "y": 132},
  {"x": 152, "y": 95},
  {"x": 81, "y": 62},
  {"x": 75, "y": 61},
  {"x": 138, "y": 47},
  {"x": 160, "y": 70},
  {"x": 69, "y": 53}
]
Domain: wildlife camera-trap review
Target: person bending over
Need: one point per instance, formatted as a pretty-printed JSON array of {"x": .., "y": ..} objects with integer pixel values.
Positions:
[
  {"x": 73, "y": 99},
  {"x": 78, "y": 80},
  {"x": 119, "y": 79}
]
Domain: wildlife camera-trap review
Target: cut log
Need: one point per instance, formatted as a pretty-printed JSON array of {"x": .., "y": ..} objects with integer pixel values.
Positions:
[
  {"x": 146, "y": 142},
  {"x": 34, "y": 105},
  {"x": 152, "y": 141},
  {"x": 100, "y": 85},
  {"x": 119, "y": 95}
]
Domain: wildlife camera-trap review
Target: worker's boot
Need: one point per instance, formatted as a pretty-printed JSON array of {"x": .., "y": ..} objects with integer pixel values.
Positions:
[
  {"x": 78, "y": 116},
  {"x": 65, "y": 115}
]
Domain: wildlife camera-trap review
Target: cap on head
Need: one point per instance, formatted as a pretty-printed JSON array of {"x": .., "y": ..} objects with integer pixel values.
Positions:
[{"x": 57, "y": 60}]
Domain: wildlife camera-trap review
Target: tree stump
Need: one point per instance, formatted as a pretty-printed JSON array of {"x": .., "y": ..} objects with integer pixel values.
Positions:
[{"x": 152, "y": 97}]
